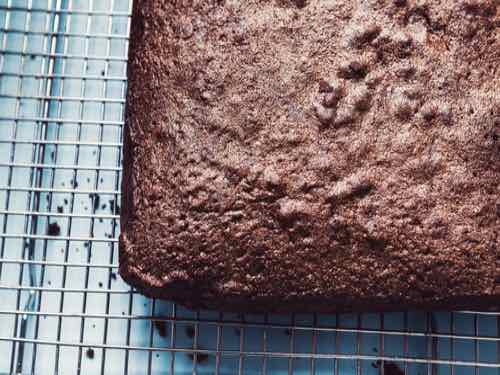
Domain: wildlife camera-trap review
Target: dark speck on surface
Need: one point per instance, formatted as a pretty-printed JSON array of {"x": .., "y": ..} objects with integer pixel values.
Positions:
[
  {"x": 200, "y": 357},
  {"x": 85, "y": 244},
  {"x": 112, "y": 206},
  {"x": 161, "y": 326},
  {"x": 113, "y": 276},
  {"x": 103, "y": 207},
  {"x": 190, "y": 331},
  {"x": 90, "y": 353},
  {"x": 389, "y": 368},
  {"x": 60, "y": 209},
  {"x": 54, "y": 229},
  {"x": 88, "y": 178},
  {"x": 100, "y": 220},
  {"x": 65, "y": 201},
  {"x": 100, "y": 284}
]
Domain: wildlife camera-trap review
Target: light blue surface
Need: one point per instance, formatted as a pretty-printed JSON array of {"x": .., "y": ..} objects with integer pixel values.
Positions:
[{"x": 69, "y": 292}]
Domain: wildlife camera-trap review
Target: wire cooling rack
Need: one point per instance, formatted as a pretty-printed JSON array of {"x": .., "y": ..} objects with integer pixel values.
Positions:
[{"x": 64, "y": 308}]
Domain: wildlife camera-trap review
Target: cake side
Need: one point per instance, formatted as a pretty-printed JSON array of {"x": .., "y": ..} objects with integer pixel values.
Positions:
[{"x": 282, "y": 156}]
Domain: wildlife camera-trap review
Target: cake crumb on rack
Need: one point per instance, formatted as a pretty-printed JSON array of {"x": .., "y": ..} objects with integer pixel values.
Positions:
[{"x": 90, "y": 353}]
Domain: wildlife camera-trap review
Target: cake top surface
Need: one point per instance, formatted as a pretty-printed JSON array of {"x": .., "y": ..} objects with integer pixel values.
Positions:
[{"x": 315, "y": 147}]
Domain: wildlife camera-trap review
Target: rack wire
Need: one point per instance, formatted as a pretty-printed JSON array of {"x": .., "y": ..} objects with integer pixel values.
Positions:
[{"x": 64, "y": 308}]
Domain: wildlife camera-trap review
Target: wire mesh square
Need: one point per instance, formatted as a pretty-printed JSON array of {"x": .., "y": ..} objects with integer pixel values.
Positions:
[{"x": 64, "y": 307}]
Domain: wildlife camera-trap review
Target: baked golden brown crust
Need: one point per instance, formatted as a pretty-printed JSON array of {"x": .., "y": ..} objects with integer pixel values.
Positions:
[{"x": 313, "y": 155}]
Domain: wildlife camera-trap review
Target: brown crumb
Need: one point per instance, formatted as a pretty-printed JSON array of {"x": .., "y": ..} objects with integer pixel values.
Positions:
[
  {"x": 200, "y": 357},
  {"x": 389, "y": 368},
  {"x": 161, "y": 326},
  {"x": 54, "y": 229},
  {"x": 90, "y": 353}
]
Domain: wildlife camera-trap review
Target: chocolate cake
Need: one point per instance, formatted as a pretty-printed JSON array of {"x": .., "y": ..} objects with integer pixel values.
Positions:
[{"x": 313, "y": 155}]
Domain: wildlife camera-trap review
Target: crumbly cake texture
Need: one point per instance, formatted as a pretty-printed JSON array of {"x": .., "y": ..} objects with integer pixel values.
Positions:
[{"x": 313, "y": 155}]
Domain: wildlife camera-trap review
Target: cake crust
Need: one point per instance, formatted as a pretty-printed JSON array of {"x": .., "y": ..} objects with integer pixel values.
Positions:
[{"x": 284, "y": 155}]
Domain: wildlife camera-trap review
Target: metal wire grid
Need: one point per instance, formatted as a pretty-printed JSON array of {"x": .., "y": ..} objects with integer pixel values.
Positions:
[{"x": 63, "y": 307}]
